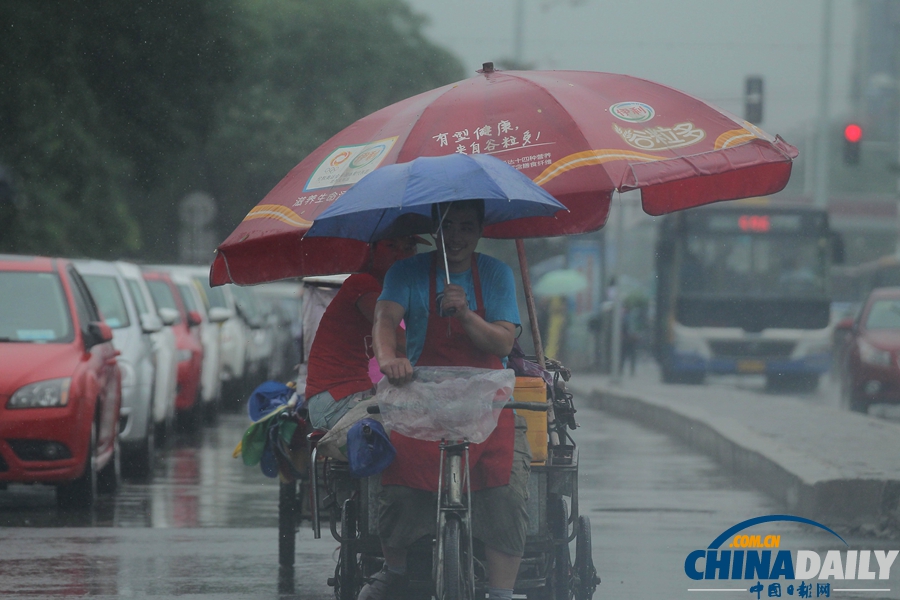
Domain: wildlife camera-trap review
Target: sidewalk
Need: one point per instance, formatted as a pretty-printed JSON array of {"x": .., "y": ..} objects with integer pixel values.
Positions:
[{"x": 822, "y": 462}]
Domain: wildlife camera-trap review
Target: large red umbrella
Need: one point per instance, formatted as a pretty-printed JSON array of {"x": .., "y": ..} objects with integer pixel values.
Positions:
[{"x": 580, "y": 135}]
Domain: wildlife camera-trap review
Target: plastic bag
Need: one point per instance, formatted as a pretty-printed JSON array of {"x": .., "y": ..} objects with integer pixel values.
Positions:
[{"x": 450, "y": 403}]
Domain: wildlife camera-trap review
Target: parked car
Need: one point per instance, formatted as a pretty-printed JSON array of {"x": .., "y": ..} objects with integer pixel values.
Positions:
[
  {"x": 260, "y": 340},
  {"x": 131, "y": 337},
  {"x": 187, "y": 339},
  {"x": 60, "y": 385},
  {"x": 165, "y": 352},
  {"x": 871, "y": 373},
  {"x": 211, "y": 317},
  {"x": 231, "y": 332},
  {"x": 234, "y": 338},
  {"x": 282, "y": 302}
]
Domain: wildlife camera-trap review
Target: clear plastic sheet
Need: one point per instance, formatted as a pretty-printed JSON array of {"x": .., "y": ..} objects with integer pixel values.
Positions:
[{"x": 450, "y": 403}]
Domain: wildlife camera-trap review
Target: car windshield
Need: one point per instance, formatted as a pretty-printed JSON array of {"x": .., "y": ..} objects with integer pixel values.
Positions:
[
  {"x": 759, "y": 266},
  {"x": 884, "y": 314},
  {"x": 187, "y": 296},
  {"x": 246, "y": 303},
  {"x": 33, "y": 308},
  {"x": 215, "y": 296},
  {"x": 163, "y": 297},
  {"x": 106, "y": 292},
  {"x": 135, "y": 288}
]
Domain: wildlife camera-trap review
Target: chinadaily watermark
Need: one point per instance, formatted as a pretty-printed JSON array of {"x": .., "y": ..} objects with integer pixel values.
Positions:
[{"x": 764, "y": 564}]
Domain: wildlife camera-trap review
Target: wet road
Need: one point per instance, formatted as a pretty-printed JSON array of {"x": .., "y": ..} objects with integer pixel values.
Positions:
[{"x": 206, "y": 527}]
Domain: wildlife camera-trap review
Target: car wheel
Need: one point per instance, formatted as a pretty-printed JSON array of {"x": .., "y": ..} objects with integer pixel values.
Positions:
[
  {"x": 139, "y": 464},
  {"x": 232, "y": 393},
  {"x": 189, "y": 420},
  {"x": 857, "y": 403},
  {"x": 850, "y": 398},
  {"x": 81, "y": 492},
  {"x": 211, "y": 411},
  {"x": 108, "y": 477}
]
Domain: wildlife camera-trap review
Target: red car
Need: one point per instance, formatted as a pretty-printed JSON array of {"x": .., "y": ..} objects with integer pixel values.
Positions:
[
  {"x": 60, "y": 386},
  {"x": 871, "y": 372},
  {"x": 187, "y": 339}
]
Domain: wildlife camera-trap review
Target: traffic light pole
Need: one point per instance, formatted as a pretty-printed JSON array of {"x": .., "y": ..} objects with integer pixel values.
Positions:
[{"x": 820, "y": 196}]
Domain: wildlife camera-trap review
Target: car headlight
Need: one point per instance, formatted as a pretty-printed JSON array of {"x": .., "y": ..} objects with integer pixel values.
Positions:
[
  {"x": 184, "y": 355},
  {"x": 874, "y": 356},
  {"x": 42, "y": 394}
]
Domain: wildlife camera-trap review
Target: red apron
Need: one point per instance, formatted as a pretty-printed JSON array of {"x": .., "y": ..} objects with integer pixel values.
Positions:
[{"x": 417, "y": 462}]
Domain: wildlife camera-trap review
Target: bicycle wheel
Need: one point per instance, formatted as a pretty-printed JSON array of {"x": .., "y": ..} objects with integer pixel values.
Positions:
[
  {"x": 453, "y": 570},
  {"x": 347, "y": 578},
  {"x": 287, "y": 523},
  {"x": 586, "y": 579},
  {"x": 560, "y": 580}
]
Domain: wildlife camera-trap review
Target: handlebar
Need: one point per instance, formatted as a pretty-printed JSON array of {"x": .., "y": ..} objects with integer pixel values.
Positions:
[{"x": 536, "y": 406}]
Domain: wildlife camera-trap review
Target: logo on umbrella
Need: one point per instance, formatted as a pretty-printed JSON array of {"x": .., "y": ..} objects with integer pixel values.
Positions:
[
  {"x": 661, "y": 138},
  {"x": 339, "y": 158},
  {"x": 633, "y": 112},
  {"x": 346, "y": 165}
]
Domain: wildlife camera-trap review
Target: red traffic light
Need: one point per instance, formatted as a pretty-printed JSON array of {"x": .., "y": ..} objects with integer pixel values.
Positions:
[{"x": 853, "y": 133}]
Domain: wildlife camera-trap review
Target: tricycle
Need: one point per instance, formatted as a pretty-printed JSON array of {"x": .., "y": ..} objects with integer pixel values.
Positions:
[{"x": 450, "y": 565}]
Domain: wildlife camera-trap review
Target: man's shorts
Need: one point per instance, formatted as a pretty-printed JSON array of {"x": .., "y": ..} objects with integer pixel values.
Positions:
[
  {"x": 499, "y": 516},
  {"x": 325, "y": 411}
]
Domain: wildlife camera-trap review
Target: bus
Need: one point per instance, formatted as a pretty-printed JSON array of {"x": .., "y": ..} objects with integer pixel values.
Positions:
[{"x": 745, "y": 289}]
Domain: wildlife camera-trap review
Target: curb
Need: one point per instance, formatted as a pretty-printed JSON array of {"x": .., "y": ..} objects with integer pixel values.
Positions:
[{"x": 822, "y": 496}]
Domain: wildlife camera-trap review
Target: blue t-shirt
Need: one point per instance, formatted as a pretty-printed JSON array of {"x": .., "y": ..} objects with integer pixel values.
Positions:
[{"x": 407, "y": 284}]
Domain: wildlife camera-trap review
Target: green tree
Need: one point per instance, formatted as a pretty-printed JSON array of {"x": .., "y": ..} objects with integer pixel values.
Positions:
[
  {"x": 314, "y": 67},
  {"x": 98, "y": 95},
  {"x": 114, "y": 110}
]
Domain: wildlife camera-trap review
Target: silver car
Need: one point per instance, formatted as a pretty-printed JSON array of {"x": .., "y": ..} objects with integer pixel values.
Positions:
[
  {"x": 261, "y": 339},
  {"x": 131, "y": 337},
  {"x": 165, "y": 351},
  {"x": 234, "y": 337}
]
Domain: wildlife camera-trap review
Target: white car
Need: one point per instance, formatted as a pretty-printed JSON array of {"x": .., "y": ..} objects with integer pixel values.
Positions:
[
  {"x": 165, "y": 351},
  {"x": 282, "y": 302},
  {"x": 131, "y": 338},
  {"x": 260, "y": 340}
]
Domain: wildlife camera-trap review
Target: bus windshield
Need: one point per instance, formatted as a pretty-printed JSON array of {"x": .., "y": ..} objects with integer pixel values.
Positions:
[{"x": 758, "y": 266}]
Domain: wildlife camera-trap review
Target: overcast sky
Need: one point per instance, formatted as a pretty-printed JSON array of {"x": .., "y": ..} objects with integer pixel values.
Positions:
[{"x": 703, "y": 47}]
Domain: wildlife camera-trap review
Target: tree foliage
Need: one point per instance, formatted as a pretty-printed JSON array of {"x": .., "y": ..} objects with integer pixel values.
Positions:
[
  {"x": 114, "y": 110},
  {"x": 321, "y": 65}
]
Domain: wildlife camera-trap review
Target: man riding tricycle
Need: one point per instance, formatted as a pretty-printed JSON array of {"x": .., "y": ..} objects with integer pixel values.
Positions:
[{"x": 468, "y": 496}]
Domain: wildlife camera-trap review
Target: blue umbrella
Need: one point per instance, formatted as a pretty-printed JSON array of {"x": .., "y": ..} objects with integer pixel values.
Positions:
[{"x": 397, "y": 199}]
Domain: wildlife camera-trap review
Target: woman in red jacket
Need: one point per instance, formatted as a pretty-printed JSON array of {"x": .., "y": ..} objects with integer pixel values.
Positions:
[{"x": 338, "y": 366}]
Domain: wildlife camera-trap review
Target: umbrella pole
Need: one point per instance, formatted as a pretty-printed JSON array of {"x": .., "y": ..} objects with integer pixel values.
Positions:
[
  {"x": 444, "y": 253},
  {"x": 529, "y": 303}
]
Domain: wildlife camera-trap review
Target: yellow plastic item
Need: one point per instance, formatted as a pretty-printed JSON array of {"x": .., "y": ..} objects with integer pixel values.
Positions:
[{"x": 533, "y": 389}]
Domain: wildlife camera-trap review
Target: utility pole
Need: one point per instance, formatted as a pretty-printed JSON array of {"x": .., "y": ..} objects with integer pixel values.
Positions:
[
  {"x": 616, "y": 350},
  {"x": 518, "y": 33},
  {"x": 897, "y": 83},
  {"x": 822, "y": 147}
]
